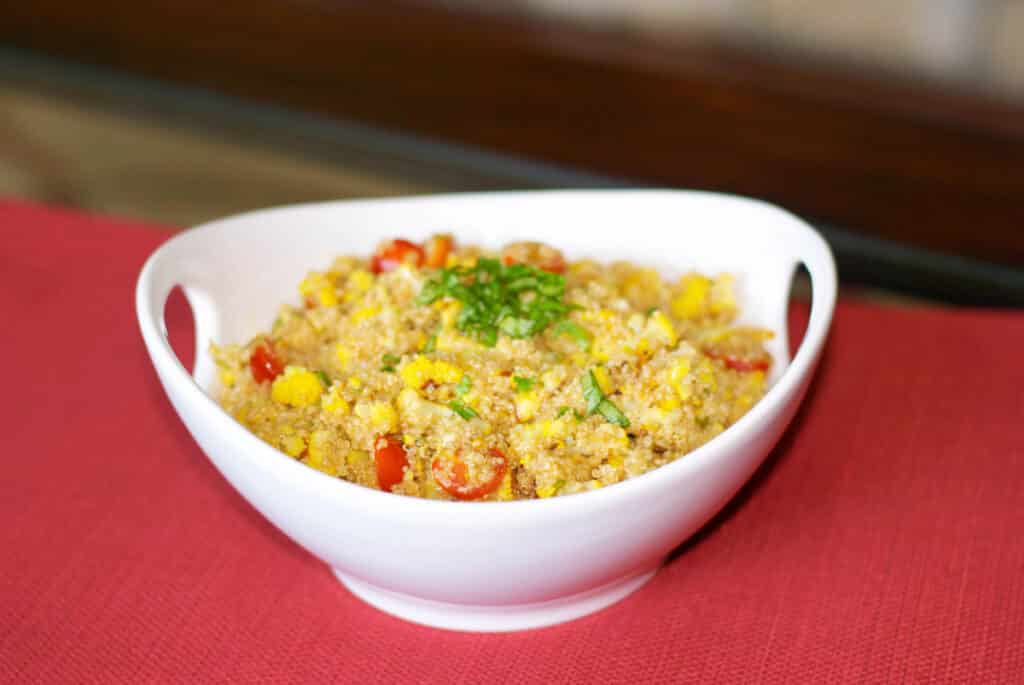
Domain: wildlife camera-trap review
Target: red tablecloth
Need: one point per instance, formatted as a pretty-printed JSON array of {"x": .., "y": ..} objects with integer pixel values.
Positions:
[{"x": 882, "y": 542}]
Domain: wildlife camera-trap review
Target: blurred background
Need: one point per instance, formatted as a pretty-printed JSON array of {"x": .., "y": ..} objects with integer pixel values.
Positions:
[{"x": 895, "y": 126}]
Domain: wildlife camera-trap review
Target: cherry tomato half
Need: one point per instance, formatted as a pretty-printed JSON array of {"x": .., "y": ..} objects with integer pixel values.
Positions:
[
  {"x": 539, "y": 255},
  {"x": 437, "y": 249},
  {"x": 454, "y": 480},
  {"x": 264, "y": 363},
  {"x": 393, "y": 253},
  {"x": 389, "y": 456},
  {"x": 740, "y": 363}
]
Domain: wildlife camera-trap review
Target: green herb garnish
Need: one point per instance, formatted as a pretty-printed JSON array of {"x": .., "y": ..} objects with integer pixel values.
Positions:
[
  {"x": 323, "y": 378},
  {"x": 575, "y": 331},
  {"x": 612, "y": 414},
  {"x": 598, "y": 403},
  {"x": 462, "y": 410},
  {"x": 388, "y": 363},
  {"x": 431, "y": 344},
  {"x": 517, "y": 300},
  {"x": 464, "y": 385},
  {"x": 523, "y": 384},
  {"x": 592, "y": 392}
]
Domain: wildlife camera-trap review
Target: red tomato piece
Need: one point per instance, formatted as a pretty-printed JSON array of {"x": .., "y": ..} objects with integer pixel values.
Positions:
[
  {"x": 738, "y": 363},
  {"x": 437, "y": 249},
  {"x": 455, "y": 483},
  {"x": 535, "y": 254},
  {"x": 393, "y": 253},
  {"x": 389, "y": 456},
  {"x": 264, "y": 363}
]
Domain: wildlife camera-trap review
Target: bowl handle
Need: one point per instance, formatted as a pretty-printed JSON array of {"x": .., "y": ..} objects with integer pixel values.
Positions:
[
  {"x": 811, "y": 250},
  {"x": 156, "y": 281}
]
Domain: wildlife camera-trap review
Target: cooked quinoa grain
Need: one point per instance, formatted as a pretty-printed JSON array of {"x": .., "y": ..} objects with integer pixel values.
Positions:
[{"x": 447, "y": 372}]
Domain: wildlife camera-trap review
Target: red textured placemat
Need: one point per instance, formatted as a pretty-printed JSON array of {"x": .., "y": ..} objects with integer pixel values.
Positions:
[{"x": 883, "y": 541}]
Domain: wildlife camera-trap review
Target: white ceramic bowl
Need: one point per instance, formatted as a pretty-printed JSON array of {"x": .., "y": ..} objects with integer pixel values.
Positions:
[{"x": 487, "y": 566}]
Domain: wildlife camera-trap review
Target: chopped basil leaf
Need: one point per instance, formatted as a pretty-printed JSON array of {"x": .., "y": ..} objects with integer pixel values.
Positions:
[
  {"x": 387, "y": 368},
  {"x": 592, "y": 392},
  {"x": 597, "y": 403},
  {"x": 391, "y": 359},
  {"x": 651, "y": 310},
  {"x": 575, "y": 331},
  {"x": 522, "y": 384},
  {"x": 612, "y": 413},
  {"x": 323, "y": 378},
  {"x": 562, "y": 411},
  {"x": 431, "y": 344},
  {"x": 462, "y": 410},
  {"x": 463, "y": 386},
  {"x": 516, "y": 300}
]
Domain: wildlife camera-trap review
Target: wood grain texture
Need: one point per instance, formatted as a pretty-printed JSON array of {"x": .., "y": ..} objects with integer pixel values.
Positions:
[{"x": 893, "y": 158}]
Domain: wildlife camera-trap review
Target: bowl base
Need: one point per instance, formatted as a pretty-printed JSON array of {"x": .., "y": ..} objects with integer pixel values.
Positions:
[{"x": 493, "y": 619}]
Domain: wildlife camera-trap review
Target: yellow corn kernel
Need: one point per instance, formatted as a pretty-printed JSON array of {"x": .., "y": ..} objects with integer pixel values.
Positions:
[
  {"x": 363, "y": 314},
  {"x": 320, "y": 286},
  {"x": 296, "y": 387},
  {"x": 615, "y": 462},
  {"x": 604, "y": 381},
  {"x": 343, "y": 355},
  {"x": 227, "y": 378},
  {"x": 677, "y": 376},
  {"x": 450, "y": 313},
  {"x": 332, "y": 402},
  {"x": 505, "y": 489},
  {"x": 527, "y": 404},
  {"x": 546, "y": 491},
  {"x": 691, "y": 303},
  {"x": 600, "y": 349},
  {"x": 355, "y": 382},
  {"x": 417, "y": 372},
  {"x": 317, "y": 451},
  {"x": 706, "y": 375},
  {"x": 668, "y": 405},
  {"x": 420, "y": 370},
  {"x": 446, "y": 373},
  {"x": 293, "y": 445},
  {"x": 384, "y": 416},
  {"x": 722, "y": 297},
  {"x": 663, "y": 323},
  {"x": 357, "y": 458},
  {"x": 360, "y": 280}
]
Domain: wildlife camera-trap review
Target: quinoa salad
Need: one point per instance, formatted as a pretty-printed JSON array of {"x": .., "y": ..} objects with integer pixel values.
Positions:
[{"x": 450, "y": 372}]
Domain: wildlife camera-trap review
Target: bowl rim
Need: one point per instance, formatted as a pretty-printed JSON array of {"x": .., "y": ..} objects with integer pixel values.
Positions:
[{"x": 251, "y": 447}]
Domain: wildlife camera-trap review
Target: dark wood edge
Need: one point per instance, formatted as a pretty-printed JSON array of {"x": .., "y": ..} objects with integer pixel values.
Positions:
[{"x": 901, "y": 160}]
